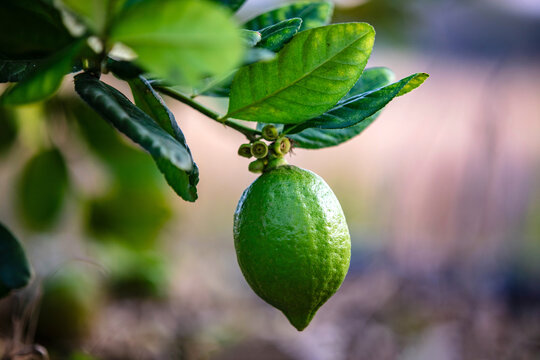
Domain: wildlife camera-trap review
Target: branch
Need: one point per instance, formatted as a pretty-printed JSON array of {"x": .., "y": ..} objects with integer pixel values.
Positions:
[{"x": 251, "y": 134}]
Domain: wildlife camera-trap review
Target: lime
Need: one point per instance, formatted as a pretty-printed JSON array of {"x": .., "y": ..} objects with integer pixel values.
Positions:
[{"x": 292, "y": 241}]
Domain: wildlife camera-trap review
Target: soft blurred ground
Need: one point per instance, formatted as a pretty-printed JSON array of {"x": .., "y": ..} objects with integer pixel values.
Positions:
[{"x": 442, "y": 197}]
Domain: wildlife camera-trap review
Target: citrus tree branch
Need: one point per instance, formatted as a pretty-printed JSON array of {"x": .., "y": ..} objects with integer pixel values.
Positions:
[{"x": 251, "y": 134}]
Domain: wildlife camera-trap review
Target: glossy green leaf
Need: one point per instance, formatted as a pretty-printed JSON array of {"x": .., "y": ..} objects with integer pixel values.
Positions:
[
  {"x": 231, "y": 4},
  {"x": 316, "y": 138},
  {"x": 180, "y": 41},
  {"x": 274, "y": 39},
  {"x": 43, "y": 81},
  {"x": 42, "y": 188},
  {"x": 359, "y": 109},
  {"x": 251, "y": 38},
  {"x": 371, "y": 79},
  {"x": 30, "y": 29},
  {"x": 16, "y": 70},
  {"x": 148, "y": 100},
  {"x": 15, "y": 270},
  {"x": 125, "y": 70},
  {"x": 221, "y": 87},
  {"x": 415, "y": 82},
  {"x": 308, "y": 77},
  {"x": 8, "y": 129},
  {"x": 312, "y": 13},
  {"x": 126, "y": 165},
  {"x": 276, "y": 36},
  {"x": 171, "y": 156}
]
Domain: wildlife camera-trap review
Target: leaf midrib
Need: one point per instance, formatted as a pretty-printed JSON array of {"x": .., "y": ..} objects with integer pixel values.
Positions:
[{"x": 299, "y": 79}]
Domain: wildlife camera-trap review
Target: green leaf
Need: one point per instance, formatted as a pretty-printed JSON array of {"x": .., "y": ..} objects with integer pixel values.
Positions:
[
  {"x": 153, "y": 105},
  {"x": 171, "y": 156},
  {"x": 43, "y": 81},
  {"x": 221, "y": 87},
  {"x": 125, "y": 70},
  {"x": 15, "y": 271},
  {"x": 8, "y": 129},
  {"x": 315, "y": 138},
  {"x": 355, "y": 109},
  {"x": 255, "y": 55},
  {"x": 148, "y": 100},
  {"x": 274, "y": 37},
  {"x": 371, "y": 79},
  {"x": 42, "y": 188},
  {"x": 312, "y": 13},
  {"x": 309, "y": 76},
  {"x": 251, "y": 38},
  {"x": 415, "y": 82},
  {"x": 93, "y": 13},
  {"x": 180, "y": 41},
  {"x": 31, "y": 29},
  {"x": 16, "y": 70},
  {"x": 231, "y": 4},
  {"x": 128, "y": 166}
]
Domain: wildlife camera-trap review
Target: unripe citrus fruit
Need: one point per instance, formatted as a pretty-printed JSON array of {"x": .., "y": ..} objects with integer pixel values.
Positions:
[
  {"x": 269, "y": 132},
  {"x": 292, "y": 241},
  {"x": 245, "y": 150},
  {"x": 259, "y": 149}
]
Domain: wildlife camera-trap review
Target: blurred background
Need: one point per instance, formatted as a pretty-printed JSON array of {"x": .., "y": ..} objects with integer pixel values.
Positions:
[{"x": 441, "y": 193}]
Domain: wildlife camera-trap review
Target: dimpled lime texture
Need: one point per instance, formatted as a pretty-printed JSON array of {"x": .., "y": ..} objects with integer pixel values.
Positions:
[{"x": 292, "y": 241}]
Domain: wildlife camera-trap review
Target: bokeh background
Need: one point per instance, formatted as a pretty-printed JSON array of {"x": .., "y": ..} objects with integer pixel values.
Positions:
[{"x": 441, "y": 193}]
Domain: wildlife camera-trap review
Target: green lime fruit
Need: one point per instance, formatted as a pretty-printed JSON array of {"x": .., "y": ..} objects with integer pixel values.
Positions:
[{"x": 292, "y": 241}]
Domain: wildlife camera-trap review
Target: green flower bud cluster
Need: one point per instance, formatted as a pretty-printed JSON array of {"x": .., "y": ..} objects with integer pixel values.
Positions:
[{"x": 268, "y": 156}]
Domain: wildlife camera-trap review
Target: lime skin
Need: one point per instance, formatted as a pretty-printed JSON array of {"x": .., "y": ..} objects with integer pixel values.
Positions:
[{"x": 292, "y": 241}]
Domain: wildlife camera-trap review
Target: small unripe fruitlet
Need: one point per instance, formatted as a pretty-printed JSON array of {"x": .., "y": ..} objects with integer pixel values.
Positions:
[
  {"x": 259, "y": 149},
  {"x": 256, "y": 166},
  {"x": 245, "y": 150},
  {"x": 281, "y": 146},
  {"x": 270, "y": 133}
]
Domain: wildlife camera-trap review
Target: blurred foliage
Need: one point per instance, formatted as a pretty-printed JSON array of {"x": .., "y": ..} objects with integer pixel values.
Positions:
[
  {"x": 134, "y": 208},
  {"x": 391, "y": 18},
  {"x": 127, "y": 164},
  {"x": 528, "y": 253},
  {"x": 127, "y": 214},
  {"x": 81, "y": 356},
  {"x": 41, "y": 189},
  {"x": 75, "y": 293},
  {"x": 134, "y": 272},
  {"x": 8, "y": 129}
]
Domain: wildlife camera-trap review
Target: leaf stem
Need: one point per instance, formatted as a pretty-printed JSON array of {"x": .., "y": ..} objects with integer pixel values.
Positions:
[{"x": 251, "y": 134}]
